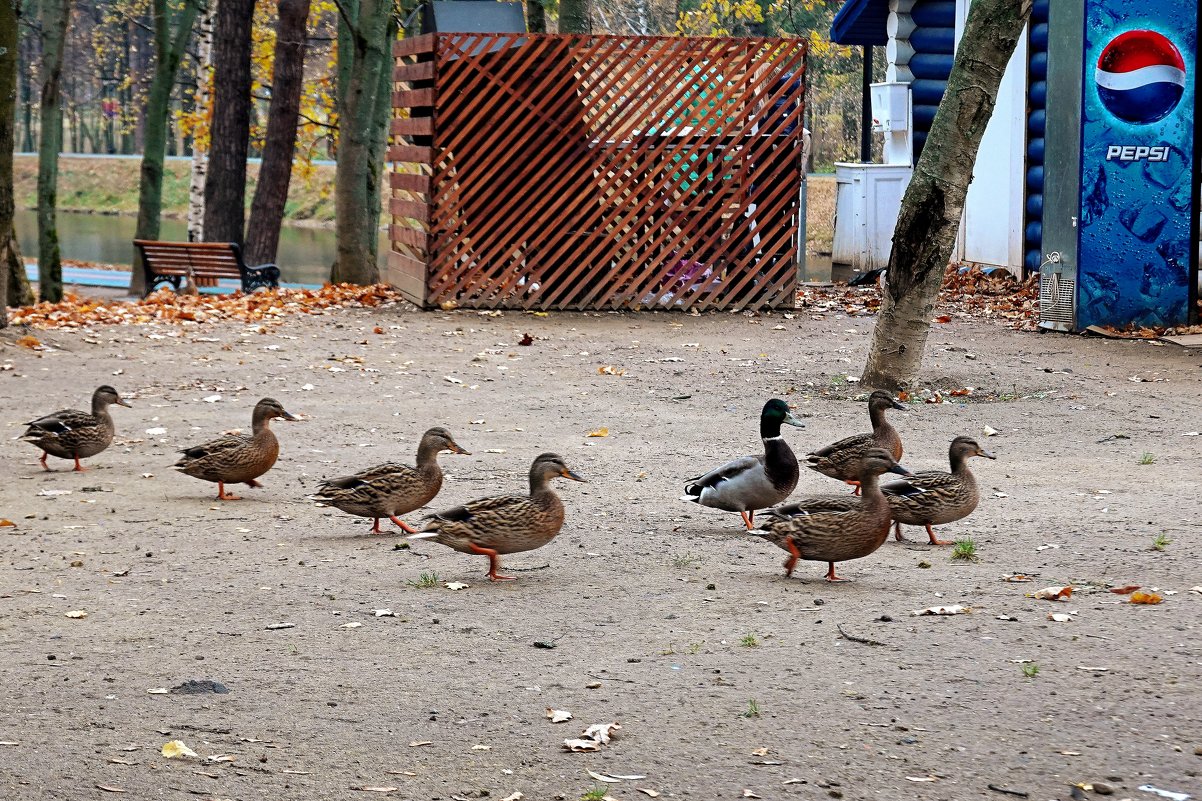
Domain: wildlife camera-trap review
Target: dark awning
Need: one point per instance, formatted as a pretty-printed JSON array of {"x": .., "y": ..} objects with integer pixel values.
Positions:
[{"x": 861, "y": 22}]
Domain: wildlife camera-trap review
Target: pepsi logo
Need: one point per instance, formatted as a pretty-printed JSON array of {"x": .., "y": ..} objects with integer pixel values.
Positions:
[{"x": 1140, "y": 76}]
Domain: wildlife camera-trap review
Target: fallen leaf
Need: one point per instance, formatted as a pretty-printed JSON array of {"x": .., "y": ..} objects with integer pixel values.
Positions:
[
  {"x": 277, "y": 626},
  {"x": 989, "y": 431},
  {"x": 370, "y": 789},
  {"x": 1060, "y": 617},
  {"x": 220, "y": 758},
  {"x": 481, "y": 747},
  {"x": 749, "y": 794},
  {"x": 920, "y": 778},
  {"x": 1053, "y": 593},
  {"x": 417, "y": 743},
  {"x": 211, "y": 398},
  {"x": 601, "y": 777},
  {"x": 513, "y": 797},
  {"x": 760, "y": 751},
  {"x": 526, "y": 340},
  {"x": 76, "y": 614},
  {"x": 1140, "y": 597},
  {"x": 50, "y": 493},
  {"x": 1124, "y": 590},
  {"x": 941, "y": 610},
  {"x": 579, "y": 745},
  {"x": 1017, "y": 578},
  {"x": 455, "y": 585},
  {"x": 943, "y": 318},
  {"x": 593, "y": 737},
  {"x": 108, "y": 789},
  {"x": 176, "y": 749},
  {"x": 600, "y": 432},
  {"x": 609, "y": 369},
  {"x": 29, "y": 341},
  {"x": 558, "y": 715},
  {"x": 6, "y": 523},
  {"x": 158, "y": 691},
  {"x": 652, "y": 793},
  {"x": 385, "y": 613},
  {"x": 377, "y": 330},
  {"x": 354, "y": 625}
]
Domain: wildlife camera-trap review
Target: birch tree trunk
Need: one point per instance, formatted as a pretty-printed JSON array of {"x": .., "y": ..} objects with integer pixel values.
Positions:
[
  {"x": 934, "y": 201},
  {"x": 54, "y": 17},
  {"x": 275, "y": 173},
  {"x": 196, "y": 186},
  {"x": 169, "y": 50}
]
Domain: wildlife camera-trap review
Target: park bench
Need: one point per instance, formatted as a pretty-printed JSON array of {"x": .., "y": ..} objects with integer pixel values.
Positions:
[{"x": 172, "y": 262}]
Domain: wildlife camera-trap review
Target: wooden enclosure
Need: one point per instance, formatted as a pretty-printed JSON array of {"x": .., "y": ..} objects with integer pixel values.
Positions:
[{"x": 596, "y": 172}]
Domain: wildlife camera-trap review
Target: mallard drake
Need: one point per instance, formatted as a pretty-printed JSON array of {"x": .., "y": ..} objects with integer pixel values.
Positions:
[
  {"x": 506, "y": 523},
  {"x": 392, "y": 489},
  {"x": 237, "y": 458},
  {"x": 749, "y": 483},
  {"x": 841, "y": 459},
  {"x": 828, "y": 536},
  {"x": 72, "y": 434},
  {"x": 933, "y": 497}
]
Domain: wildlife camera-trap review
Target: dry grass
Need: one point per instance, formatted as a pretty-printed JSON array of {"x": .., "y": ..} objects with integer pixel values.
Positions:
[{"x": 820, "y": 214}]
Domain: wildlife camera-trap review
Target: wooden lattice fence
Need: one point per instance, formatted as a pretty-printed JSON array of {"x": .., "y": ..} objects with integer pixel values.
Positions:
[{"x": 596, "y": 172}]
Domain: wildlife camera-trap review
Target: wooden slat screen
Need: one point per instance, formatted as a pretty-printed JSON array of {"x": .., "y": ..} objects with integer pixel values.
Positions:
[{"x": 597, "y": 172}]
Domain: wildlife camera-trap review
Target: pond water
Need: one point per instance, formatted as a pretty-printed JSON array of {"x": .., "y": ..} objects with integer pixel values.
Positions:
[{"x": 304, "y": 256}]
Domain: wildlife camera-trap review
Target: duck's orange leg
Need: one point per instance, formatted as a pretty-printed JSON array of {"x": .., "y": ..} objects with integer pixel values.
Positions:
[
  {"x": 78, "y": 467},
  {"x": 830, "y": 574},
  {"x": 794, "y": 555},
  {"x": 855, "y": 484},
  {"x": 897, "y": 535},
  {"x": 222, "y": 495},
  {"x": 935, "y": 540},
  {"x": 748, "y": 519},
  {"x": 404, "y": 526},
  {"x": 493, "y": 562},
  {"x": 45, "y": 456},
  {"x": 375, "y": 526}
]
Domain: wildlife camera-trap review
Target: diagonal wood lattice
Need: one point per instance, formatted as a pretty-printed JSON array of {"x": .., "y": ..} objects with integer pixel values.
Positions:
[{"x": 596, "y": 172}]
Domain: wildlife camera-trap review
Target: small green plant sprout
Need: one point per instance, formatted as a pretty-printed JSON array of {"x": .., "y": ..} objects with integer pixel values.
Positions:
[
  {"x": 685, "y": 560},
  {"x": 1160, "y": 542},
  {"x": 425, "y": 581},
  {"x": 965, "y": 549},
  {"x": 695, "y": 647},
  {"x": 595, "y": 794},
  {"x": 750, "y": 641},
  {"x": 1147, "y": 457},
  {"x": 1030, "y": 670},
  {"x": 753, "y": 709}
]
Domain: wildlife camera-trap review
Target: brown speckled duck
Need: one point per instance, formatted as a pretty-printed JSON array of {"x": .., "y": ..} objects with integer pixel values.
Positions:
[
  {"x": 392, "y": 489},
  {"x": 72, "y": 434},
  {"x": 749, "y": 483},
  {"x": 841, "y": 459},
  {"x": 933, "y": 497},
  {"x": 827, "y": 536},
  {"x": 237, "y": 458},
  {"x": 506, "y": 523}
]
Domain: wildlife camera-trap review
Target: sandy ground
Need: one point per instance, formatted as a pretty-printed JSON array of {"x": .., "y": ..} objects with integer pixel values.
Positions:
[{"x": 665, "y": 617}]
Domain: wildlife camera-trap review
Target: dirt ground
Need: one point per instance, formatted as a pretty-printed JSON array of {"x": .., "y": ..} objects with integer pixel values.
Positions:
[{"x": 728, "y": 680}]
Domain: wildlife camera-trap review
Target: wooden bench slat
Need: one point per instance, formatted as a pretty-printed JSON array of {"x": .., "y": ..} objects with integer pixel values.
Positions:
[{"x": 206, "y": 262}]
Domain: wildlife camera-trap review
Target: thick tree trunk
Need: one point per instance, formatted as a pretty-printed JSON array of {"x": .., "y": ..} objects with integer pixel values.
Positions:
[
  {"x": 169, "y": 50},
  {"x": 934, "y": 201},
  {"x": 225, "y": 183},
  {"x": 574, "y": 16},
  {"x": 19, "y": 292},
  {"x": 536, "y": 16},
  {"x": 196, "y": 186},
  {"x": 55, "y": 14},
  {"x": 8, "y": 103},
  {"x": 275, "y": 173},
  {"x": 361, "y": 140}
]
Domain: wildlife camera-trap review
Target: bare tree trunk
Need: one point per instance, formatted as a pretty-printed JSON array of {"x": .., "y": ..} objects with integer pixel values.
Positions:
[
  {"x": 55, "y": 15},
  {"x": 225, "y": 183},
  {"x": 8, "y": 102},
  {"x": 169, "y": 50},
  {"x": 934, "y": 201},
  {"x": 574, "y": 16},
  {"x": 196, "y": 186},
  {"x": 365, "y": 40},
  {"x": 275, "y": 173},
  {"x": 536, "y": 16}
]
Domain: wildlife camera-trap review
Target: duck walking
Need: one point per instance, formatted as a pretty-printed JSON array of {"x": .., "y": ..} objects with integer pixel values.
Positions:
[
  {"x": 749, "y": 483},
  {"x": 73, "y": 434},
  {"x": 506, "y": 523},
  {"x": 392, "y": 489},
  {"x": 237, "y": 458},
  {"x": 933, "y": 497},
  {"x": 819, "y": 534},
  {"x": 841, "y": 459}
]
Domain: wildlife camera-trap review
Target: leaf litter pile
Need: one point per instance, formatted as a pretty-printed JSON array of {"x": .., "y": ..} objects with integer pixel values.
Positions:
[{"x": 165, "y": 306}]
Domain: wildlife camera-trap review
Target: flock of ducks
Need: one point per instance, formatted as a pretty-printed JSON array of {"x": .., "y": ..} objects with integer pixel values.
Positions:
[{"x": 827, "y": 528}]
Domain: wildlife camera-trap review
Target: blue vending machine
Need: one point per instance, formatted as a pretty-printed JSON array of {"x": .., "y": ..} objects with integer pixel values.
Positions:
[{"x": 1120, "y": 200}]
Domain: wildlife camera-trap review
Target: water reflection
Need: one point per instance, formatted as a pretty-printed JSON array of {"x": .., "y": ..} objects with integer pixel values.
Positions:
[{"x": 304, "y": 257}]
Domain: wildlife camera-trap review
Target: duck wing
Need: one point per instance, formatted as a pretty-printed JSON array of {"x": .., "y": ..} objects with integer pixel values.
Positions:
[
  {"x": 734, "y": 470},
  {"x": 855, "y": 443},
  {"x": 815, "y": 504},
  {"x": 61, "y": 422},
  {"x": 217, "y": 448},
  {"x": 927, "y": 481}
]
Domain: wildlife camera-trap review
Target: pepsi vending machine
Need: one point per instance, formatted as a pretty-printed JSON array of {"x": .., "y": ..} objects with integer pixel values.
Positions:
[{"x": 1120, "y": 201}]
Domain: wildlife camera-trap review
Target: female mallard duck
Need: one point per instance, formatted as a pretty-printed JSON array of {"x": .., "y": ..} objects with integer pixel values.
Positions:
[
  {"x": 933, "y": 497},
  {"x": 237, "y": 458},
  {"x": 392, "y": 489},
  {"x": 506, "y": 523},
  {"x": 752, "y": 482},
  {"x": 837, "y": 536},
  {"x": 72, "y": 434},
  {"x": 841, "y": 459}
]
